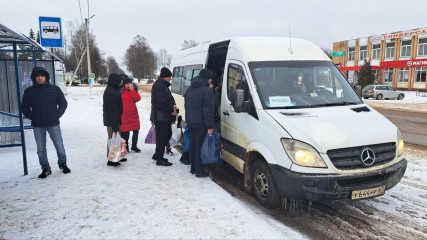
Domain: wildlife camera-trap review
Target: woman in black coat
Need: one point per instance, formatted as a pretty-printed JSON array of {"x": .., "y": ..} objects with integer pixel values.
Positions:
[{"x": 113, "y": 109}]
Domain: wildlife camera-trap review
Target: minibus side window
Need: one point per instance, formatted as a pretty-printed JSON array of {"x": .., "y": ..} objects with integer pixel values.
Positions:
[
  {"x": 176, "y": 80},
  {"x": 236, "y": 80}
]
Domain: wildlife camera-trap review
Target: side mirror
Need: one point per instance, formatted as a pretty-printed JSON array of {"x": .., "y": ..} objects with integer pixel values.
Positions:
[{"x": 237, "y": 98}]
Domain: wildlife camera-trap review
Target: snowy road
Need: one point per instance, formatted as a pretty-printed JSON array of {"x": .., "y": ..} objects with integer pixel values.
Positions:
[{"x": 399, "y": 214}]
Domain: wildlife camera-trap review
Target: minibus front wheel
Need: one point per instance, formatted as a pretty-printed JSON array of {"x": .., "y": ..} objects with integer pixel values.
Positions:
[{"x": 263, "y": 185}]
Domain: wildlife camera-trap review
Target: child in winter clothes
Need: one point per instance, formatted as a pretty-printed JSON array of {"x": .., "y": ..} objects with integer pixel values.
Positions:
[{"x": 130, "y": 117}]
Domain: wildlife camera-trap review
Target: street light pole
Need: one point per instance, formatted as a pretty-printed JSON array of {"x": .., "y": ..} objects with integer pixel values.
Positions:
[{"x": 89, "y": 70}]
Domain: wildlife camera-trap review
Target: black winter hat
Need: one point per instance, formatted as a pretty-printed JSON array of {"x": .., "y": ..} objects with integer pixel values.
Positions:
[
  {"x": 126, "y": 80},
  {"x": 206, "y": 74},
  {"x": 165, "y": 72},
  {"x": 37, "y": 71},
  {"x": 114, "y": 79}
]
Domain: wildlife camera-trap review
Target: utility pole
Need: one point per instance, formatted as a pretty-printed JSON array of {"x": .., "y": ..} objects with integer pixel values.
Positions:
[{"x": 89, "y": 70}]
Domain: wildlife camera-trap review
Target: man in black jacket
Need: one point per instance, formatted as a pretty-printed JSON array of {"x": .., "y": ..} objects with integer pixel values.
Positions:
[
  {"x": 44, "y": 104},
  {"x": 199, "y": 102},
  {"x": 163, "y": 112},
  {"x": 113, "y": 109}
]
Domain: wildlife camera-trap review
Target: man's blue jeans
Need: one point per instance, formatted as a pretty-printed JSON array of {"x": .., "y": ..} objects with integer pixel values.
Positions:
[{"x": 55, "y": 135}]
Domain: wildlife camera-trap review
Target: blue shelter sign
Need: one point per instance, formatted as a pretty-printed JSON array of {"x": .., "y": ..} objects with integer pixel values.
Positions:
[{"x": 50, "y": 32}]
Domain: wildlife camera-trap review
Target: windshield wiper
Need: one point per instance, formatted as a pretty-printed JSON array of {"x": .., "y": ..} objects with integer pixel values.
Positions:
[{"x": 336, "y": 104}]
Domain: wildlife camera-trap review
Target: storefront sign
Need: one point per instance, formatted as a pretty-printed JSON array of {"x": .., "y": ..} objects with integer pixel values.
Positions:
[
  {"x": 405, "y": 34},
  {"x": 404, "y": 63}
]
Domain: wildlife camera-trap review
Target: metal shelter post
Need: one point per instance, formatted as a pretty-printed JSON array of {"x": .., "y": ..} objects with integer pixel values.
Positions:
[{"x": 21, "y": 121}]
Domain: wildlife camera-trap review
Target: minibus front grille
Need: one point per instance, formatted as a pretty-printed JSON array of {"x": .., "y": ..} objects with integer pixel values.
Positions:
[{"x": 351, "y": 158}]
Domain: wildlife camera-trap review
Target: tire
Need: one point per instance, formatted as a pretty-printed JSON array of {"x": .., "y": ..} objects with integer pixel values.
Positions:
[
  {"x": 263, "y": 185},
  {"x": 379, "y": 96},
  {"x": 400, "y": 97}
]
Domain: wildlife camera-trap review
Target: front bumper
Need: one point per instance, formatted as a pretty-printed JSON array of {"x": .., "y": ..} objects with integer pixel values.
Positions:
[{"x": 318, "y": 187}]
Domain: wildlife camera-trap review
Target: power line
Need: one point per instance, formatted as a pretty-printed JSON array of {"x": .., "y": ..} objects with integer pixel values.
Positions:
[{"x": 81, "y": 15}]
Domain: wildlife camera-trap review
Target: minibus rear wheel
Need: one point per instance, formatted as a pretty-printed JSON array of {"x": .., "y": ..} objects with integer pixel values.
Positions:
[{"x": 263, "y": 185}]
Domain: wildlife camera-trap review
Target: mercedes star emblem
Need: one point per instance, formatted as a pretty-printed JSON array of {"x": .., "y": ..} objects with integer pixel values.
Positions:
[{"x": 367, "y": 156}]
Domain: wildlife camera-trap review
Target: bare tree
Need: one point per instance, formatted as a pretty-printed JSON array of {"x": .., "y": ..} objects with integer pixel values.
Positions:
[
  {"x": 75, "y": 47},
  {"x": 140, "y": 58},
  {"x": 328, "y": 52},
  {"x": 113, "y": 66},
  {"x": 163, "y": 58},
  {"x": 188, "y": 44}
]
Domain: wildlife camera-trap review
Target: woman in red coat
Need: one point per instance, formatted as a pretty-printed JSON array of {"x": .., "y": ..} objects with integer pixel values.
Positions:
[{"x": 130, "y": 117}]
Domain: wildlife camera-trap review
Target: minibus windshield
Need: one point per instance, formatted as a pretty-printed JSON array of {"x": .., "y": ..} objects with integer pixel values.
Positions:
[{"x": 301, "y": 84}]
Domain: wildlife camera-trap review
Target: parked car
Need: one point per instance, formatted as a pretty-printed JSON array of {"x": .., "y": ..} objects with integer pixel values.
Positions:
[
  {"x": 103, "y": 81},
  {"x": 74, "y": 83},
  {"x": 381, "y": 91}
]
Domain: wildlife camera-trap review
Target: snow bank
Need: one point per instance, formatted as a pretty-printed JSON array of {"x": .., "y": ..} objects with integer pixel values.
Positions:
[{"x": 136, "y": 200}]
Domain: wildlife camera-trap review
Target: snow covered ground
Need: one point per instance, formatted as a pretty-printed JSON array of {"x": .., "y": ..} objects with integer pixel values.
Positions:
[
  {"x": 136, "y": 200},
  {"x": 141, "y": 200}
]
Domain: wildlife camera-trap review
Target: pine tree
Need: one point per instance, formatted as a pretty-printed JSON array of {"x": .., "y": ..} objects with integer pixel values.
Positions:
[
  {"x": 31, "y": 35},
  {"x": 38, "y": 37},
  {"x": 366, "y": 75}
]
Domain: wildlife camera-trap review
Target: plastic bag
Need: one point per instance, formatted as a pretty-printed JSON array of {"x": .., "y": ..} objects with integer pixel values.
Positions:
[
  {"x": 186, "y": 140},
  {"x": 114, "y": 145},
  {"x": 176, "y": 136},
  {"x": 123, "y": 150},
  {"x": 209, "y": 153},
  {"x": 151, "y": 136}
]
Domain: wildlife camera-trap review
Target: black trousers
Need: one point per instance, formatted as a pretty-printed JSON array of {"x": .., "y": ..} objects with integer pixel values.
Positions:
[
  {"x": 163, "y": 135},
  {"x": 125, "y": 136},
  {"x": 197, "y": 132}
]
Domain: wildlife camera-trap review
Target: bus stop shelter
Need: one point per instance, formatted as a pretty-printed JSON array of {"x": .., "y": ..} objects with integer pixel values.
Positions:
[{"x": 15, "y": 77}]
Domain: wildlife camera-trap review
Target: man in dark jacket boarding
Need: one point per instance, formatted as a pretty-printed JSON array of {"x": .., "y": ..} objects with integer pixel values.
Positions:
[
  {"x": 199, "y": 102},
  {"x": 44, "y": 104},
  {"x": 163, "y": 112}
]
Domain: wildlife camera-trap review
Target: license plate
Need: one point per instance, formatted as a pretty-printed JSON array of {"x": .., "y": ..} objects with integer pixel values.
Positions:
[{"x": 367, "y": 193}]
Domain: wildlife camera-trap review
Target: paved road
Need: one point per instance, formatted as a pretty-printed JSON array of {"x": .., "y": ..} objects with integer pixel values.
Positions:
[{"x": 413, "y": 125}]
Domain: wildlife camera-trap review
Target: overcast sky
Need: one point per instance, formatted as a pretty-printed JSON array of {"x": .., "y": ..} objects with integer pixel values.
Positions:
[{"x": 166, "y": 24}]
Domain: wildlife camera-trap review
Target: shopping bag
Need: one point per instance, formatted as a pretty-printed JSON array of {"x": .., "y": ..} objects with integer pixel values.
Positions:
[
  {"x": 114, "y": 145},
  {"x": 151, "y": 136},
  {"x": 176, "y": 135},
  {"x": 186, "y": 140},
  {"x": 123, "y": 150},
  {"x": 209, "y": 153}
]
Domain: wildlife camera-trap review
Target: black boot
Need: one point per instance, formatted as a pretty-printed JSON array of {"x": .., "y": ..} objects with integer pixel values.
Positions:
[
  {"x": 163, "y": 162},
  {"x": 113, "y": 164},
  {"x": 123, "y": 160},
  {"x": 64, "y": 168},
  {"x": 136, "y": 149},
  {"x": 45, "y": 173},
  {"x": 202, "y": 175}
]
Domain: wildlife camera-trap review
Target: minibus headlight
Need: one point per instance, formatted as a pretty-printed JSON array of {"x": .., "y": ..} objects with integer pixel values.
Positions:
[
  {"x": 400, "y": 144},
  {"x": 302, "y": 154}
]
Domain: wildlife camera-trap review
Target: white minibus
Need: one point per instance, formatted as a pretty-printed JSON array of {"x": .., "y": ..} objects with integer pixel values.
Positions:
[{"x": 291, "y": 123}]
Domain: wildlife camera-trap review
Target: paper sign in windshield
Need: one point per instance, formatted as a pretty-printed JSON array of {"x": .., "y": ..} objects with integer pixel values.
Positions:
[{"x": 280, "y": 101}]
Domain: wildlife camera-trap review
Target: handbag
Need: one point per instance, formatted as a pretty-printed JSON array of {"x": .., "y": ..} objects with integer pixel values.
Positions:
[{"x": 210, "y": 151}]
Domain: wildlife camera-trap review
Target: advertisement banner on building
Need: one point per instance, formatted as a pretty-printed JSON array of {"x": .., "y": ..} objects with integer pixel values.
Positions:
[
  {"x": 405, "y": 34},
  {"x": 404, "y": 63}
]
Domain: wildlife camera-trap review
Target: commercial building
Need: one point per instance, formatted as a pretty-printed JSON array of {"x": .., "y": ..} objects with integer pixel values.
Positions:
[{"x": 399, "y": 59}]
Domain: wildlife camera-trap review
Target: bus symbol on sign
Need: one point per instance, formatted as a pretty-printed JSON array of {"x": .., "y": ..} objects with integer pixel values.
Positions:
[{"x": 50, "y": 29}]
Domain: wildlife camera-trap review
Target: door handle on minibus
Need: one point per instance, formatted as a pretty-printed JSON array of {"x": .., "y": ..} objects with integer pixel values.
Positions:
[{"x": 226, "y": 113}]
